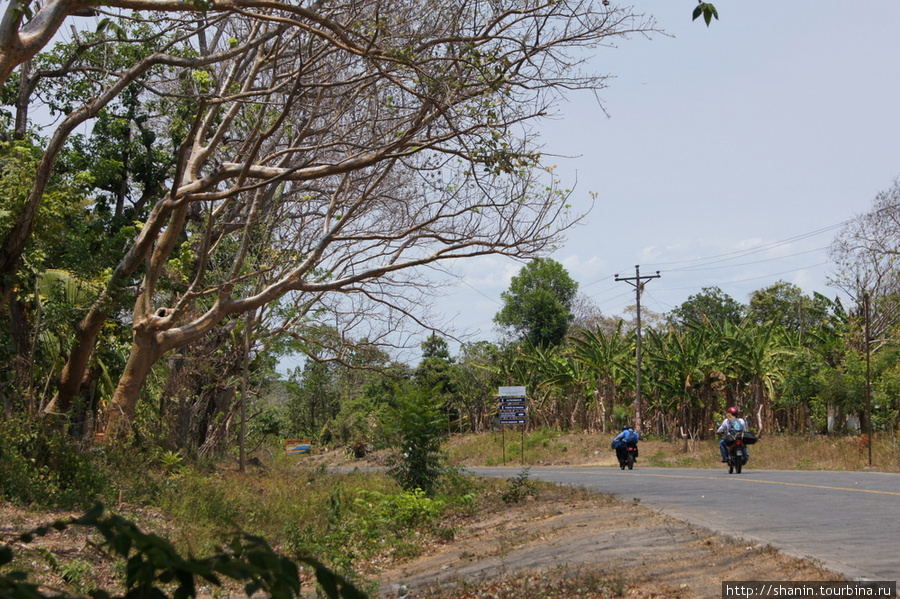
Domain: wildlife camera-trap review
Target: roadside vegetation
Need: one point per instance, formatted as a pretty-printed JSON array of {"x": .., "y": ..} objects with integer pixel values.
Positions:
[{"x": 347, "y": 513}]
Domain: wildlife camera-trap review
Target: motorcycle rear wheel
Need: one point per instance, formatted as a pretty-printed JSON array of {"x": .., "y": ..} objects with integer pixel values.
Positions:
[{"x": 630, "y": 460}]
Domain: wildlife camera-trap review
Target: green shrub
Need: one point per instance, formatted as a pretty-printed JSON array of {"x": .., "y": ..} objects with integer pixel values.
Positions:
[
  {"x": 41, "y": 466},
  {"x": 378, "y": 513},
  {"x": 417, "y": 428},
  {"x": 520, "y": 487}
]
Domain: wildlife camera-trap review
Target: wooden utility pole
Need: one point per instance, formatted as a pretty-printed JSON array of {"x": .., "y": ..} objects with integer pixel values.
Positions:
[
  {"x": 868, "y": 379},
  {"x": 638, "y": 282}
]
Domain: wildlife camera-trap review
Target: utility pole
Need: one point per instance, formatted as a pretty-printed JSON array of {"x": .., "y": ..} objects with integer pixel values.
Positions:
[
  {"x": 638, "y": 282},
  {"x": 868, "y": 379}
]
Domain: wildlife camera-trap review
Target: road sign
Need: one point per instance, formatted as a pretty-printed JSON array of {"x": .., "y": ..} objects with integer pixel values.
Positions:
[
  {"x": 513, "y": 406},
  {"x": 512, "y": 402},
  {"x": 511, "y": 391},
  {"x": 513, "y": 411},
  {"x": 513, "y": 415}
]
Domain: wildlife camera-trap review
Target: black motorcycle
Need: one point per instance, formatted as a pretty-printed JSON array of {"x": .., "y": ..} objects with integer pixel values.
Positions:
[
  {"x": 736, "y": 443},
  {"x": 627, "y": 454},
  {"x": 736, "y": 459}
]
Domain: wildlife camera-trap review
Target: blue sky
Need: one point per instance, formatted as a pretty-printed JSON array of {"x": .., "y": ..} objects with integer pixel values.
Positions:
[{"x": 729, "y": 157}]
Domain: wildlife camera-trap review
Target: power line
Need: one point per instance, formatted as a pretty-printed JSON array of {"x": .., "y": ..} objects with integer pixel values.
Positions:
[
  {"x": 707, "y": 261},
  {"x": 757, "y": 249},
  {"x": 753, "y": 263}
]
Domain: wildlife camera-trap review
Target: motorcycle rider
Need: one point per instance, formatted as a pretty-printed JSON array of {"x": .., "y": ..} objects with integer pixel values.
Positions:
[
  {"x": 733, "y": 422},
  {"x": 627, "y": 437}
]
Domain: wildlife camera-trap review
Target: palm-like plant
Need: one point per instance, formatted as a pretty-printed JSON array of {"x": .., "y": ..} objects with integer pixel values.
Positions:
[
  {"x": 688, "y": 369},
  {"x": 606, "y": 358},
  {"x": 59, "y": 298},
  {"x": 570, "y": 378},
  {"x": 759, "y": 354}
]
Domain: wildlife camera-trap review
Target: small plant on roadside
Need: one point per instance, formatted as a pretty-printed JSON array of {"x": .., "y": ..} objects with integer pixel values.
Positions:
[
  {"x": 170, "y": 461},
  {"x": 76, "y": 573},
  {"x": 378, "y": 513},
  {"x": 73, "y": 572},
  {"x": 521, "y": 486}
]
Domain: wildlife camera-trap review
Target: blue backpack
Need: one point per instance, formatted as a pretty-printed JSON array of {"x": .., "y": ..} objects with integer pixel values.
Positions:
[{"x": 630, "y": 436}]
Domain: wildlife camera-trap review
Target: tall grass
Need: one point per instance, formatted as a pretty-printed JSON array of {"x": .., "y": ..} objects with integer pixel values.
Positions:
[{"x": 347, "y": 518}]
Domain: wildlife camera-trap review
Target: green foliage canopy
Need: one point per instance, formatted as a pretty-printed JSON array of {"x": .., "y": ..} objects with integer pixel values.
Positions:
[{"x": 537, "y": 306}]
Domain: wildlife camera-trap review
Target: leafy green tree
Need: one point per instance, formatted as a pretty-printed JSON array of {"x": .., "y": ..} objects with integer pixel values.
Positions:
[
  {"x": 476, "y": 377},
  {"x": 687, "y": 370},
  {"x": 801, "y": 387},
  {"x": 710, "y": 305},
  {"x": 759, "y": 355},
  {"x": 62, "y": 270},
  {"x": 566, "y": 403},
  {"x": 537, "y": 306},
  {"x": 435, "y": 375},
  {"x": 416, "y": 428},
  {"x": 434, "y": 371},
  {"x": 314, "y": 398},
  {"x": 785, "y": 305}
]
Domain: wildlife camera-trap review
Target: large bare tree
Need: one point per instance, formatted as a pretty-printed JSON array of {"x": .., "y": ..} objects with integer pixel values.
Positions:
[
  {"x": 329, "y": 152},
  {"x": 865, "y": 254}
]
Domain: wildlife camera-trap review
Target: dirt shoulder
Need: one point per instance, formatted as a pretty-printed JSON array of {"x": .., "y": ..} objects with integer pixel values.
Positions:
[
  {"x": 639, "y": 552},
  {"x": 643, "y": 553}
]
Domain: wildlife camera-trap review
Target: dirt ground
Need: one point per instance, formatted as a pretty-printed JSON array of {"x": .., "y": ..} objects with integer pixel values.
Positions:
[{"x": 649, "y": 554}]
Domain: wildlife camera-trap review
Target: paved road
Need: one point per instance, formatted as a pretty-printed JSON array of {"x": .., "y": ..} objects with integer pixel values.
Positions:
[{"x": 848, "y": 521}]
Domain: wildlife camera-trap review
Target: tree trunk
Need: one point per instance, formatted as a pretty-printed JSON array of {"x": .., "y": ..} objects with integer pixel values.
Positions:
[
  {"x": 73, "y": 373},
  {"x": 145, "y": 351},
  {"x": 23, "y": 360}
]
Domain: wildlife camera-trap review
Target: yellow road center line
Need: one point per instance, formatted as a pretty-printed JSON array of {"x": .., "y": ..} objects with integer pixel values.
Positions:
[
  {"x": 749, "y": 480},
  {"x": 768, "y": 482}
]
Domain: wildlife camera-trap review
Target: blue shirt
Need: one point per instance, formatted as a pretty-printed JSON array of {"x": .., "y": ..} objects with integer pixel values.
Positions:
[{"x": 628, "y": 436}]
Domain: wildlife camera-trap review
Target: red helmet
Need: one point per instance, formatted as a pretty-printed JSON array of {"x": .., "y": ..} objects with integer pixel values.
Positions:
[{"x": 733, "y": 411}]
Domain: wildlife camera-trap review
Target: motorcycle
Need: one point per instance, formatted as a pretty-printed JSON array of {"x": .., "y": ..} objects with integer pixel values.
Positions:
[
  {"x": 627, "y": 454},
  {"x": 736, "y": 442},
  {"x": 736, "y": 459}
]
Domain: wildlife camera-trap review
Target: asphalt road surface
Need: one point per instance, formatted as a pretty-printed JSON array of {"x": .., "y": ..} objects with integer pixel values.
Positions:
[{"x": 848, "y": 521}]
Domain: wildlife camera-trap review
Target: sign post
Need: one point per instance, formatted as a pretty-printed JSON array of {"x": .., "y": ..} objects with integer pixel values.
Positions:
[{"x": 513, "y": 412}]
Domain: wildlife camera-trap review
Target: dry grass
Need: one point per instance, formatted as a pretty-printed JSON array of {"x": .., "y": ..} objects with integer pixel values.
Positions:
[{"x": 773, "y": 452}]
